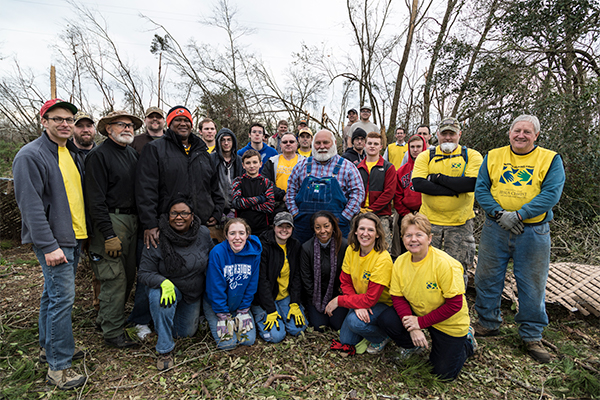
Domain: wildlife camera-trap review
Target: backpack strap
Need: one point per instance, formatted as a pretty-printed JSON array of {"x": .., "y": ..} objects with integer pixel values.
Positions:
[{"x": 463, "y": 153}]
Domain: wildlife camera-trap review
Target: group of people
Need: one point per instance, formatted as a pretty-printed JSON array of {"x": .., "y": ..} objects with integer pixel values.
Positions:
[{"x": 270, "y": 239}]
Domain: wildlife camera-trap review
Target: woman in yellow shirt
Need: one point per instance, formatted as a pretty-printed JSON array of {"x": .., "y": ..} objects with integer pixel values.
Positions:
[
  {"x": 364, "y": 281},
  {"x": 427, "y": 290}
]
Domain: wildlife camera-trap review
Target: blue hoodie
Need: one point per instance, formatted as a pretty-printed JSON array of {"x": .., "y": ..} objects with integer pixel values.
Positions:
[{"x": 232, "y": 278}]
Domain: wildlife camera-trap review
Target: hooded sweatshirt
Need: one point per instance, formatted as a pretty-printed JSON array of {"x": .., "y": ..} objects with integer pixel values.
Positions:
[
  {"x": 232, "y": 278},
  {"x": 226, "y": 171},
  {"x": 406, "y": 199}
]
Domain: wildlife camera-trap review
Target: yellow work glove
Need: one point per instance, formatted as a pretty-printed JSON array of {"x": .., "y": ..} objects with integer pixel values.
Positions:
[
  {"x": 113, "y": 247},
  {"x": 272, "y": 319},
  {"x": 297, "y": 314},
  {"x": 167, "y": 293}
]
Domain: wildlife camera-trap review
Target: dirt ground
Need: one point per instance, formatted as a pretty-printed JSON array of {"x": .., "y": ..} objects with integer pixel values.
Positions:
[{"x": 297, "y": 368}]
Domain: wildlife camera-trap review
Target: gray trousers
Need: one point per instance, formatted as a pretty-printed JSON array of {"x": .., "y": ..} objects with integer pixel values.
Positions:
[{"x": 458, "y": 241}]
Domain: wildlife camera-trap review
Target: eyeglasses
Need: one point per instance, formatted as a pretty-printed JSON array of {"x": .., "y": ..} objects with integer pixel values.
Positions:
[
  {"x": 60, "y": 120},
  {"x": 123, "y": 125},
  {"x": 183, "y": 214},
  {"x": 288, "y": 142}
]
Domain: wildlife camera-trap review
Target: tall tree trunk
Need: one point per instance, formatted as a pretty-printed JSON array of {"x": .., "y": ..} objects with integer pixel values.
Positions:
[{"x": 402, "y": 67}]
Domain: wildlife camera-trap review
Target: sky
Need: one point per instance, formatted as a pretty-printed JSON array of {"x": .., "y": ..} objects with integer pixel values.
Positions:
[{"x": 28, "y": 29}]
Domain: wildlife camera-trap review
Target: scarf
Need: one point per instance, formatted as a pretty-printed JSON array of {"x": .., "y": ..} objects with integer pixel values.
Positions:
[
  {"x": 319, "y": 302},
  {"x": 169, "y": 238}
]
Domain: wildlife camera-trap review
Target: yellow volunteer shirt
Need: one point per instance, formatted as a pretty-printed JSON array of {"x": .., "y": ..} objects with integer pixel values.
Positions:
[
  {"x": 396, "y": 154},
  {"x": 72, "y": 181},
  {"x": 305, "y": 153},
  {"x": 370, "y": 166},
  {"x": 374, "y": 267},
  {"x": 448, "y": 210},
  {"x": 517, "y": 179},
  {"x": 284, "y": 276},
  {"x": 284, "y": 169},
  {"x": 211, "y": 148},
  {"x": 428, "y": 283}
]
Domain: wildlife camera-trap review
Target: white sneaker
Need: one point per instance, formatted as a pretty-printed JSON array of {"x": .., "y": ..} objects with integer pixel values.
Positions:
[
  {"x": 142, "y": 331},
  {"x": 376, "y": 348}
]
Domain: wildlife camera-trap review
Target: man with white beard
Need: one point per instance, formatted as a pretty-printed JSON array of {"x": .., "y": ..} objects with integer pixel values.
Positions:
[
  {"x": 446, "y": 176},
  {"x": 110, "y": 201},
  {"x": 311, "y": 187}
]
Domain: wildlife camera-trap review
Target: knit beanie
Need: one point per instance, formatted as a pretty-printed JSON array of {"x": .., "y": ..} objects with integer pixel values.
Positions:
[
  {"x": 178, "y": 111},
  {"x": 359, "y": 133}
]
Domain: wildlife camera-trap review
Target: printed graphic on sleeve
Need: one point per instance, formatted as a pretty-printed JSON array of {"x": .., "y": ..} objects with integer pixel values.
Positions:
[{"x": 519, "y": 176}]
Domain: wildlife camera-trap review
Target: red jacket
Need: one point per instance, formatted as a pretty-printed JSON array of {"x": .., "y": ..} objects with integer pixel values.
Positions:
[
  {"x": 380, "y": 185},
  {"x": 406, "y": 199}
]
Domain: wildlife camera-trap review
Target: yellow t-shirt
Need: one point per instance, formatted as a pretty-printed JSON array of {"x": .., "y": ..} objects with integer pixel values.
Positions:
[
  {"x": 305, "y": 154},
  {"x": 370, "y": 166},
  {"x": 448, "y": 210},
  {"x": 211, "y": 148},
  {"x": 72, "y": 181},
  {"x": 284, "y": 276},
  {"x": 427, "y": 283},
  {"x": 374, "y": 267},
  {"x": 517, "y": 179},
  {"x": 396, "y": 154},
  {"x": 284, "y": 170}
]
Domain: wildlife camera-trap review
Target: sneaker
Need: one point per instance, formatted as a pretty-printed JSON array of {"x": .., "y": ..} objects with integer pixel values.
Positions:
[
  {"x": 142, "y": 331},
  {"x": 65, "y": 379},
  {"x": 376, "y": 348},
  {"x": 78, "y": 354},
  {"x": 405, "y": 354},
  {"x": 471, "y": 338},
  {"x": 538, "y": 352},
  {"x": 483, "y": 332},
  {"x": 165, "y": 361},
  {"x": 121, "y": 341}
]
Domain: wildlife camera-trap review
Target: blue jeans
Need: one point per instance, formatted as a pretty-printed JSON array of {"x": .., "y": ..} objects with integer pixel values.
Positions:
[
  {"x": 530, "y": 252},
  {"x": 277, "y": 334},
  {"x": 448, "y": 353},
  {"x": 354, "y": 330},
  {"x": 140, "y": 315},
  {"x": 318, "y": 319},
  {"x": 212, "y": 319},
  {"x": 56, "y": 305},
  {"x": 179, "y": 320}
]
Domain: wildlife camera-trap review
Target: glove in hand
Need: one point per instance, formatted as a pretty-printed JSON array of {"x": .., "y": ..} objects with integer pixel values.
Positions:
[
  {"x": 297, "y": 314},
  {"x": 113, "y": 247},
  {"x": 272, "y": 319},
  {"x": 167, "y": 293},
  {"x": 225, "y": 326},
  {"x": 243, "y": 322},
  {"x": 510, "y": 221}
]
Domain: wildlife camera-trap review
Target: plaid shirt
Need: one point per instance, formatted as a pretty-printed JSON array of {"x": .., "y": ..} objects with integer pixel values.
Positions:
[{"x": 348, "y": 178}]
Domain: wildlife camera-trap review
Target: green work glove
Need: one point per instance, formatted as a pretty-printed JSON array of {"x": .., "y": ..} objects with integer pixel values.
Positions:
[
  {"x": 297, "y": 314},
  {"x": 167, "y": 293},
  {"x": 113, "y": 247},
  {"x": 272, "y": 319}
]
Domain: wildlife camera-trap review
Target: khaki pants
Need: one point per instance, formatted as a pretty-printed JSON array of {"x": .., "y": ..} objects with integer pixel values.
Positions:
[{"x": 117, "y": 275}]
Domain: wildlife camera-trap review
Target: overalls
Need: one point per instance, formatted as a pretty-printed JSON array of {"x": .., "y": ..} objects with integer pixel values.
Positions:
[{"x": 318, "y": 194}]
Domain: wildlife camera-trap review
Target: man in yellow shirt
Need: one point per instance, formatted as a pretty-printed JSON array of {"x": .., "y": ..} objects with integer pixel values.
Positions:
[
  {"x": 446, "y": 176},
  {"x": 395, "y": 151},
  {"x": 305, "y": 137},
  {"x": 48, "y": 176}
]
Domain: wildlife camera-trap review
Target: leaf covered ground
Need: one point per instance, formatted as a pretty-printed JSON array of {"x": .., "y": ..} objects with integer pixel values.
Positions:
[{"x": 297, "y": 368}]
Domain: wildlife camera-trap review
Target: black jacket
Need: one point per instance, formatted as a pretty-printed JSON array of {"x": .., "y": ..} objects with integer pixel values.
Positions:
[
  {"x": 269, "y": 172},
  {"x": 307, "y": 268},
  {"x": 165, "y": 172},
  {"x": 352, "y": 155},
  {"x": 271, "y": 263},
  {"x": 226, "y": 172}
]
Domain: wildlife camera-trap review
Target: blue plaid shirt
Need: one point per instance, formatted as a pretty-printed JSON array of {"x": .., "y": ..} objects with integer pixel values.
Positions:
[{"x": 348, "y": 178}]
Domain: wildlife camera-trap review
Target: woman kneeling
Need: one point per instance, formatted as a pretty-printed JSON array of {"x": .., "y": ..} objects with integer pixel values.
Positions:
[
  {"x": 429, "y": 283},
  {"x": 174, "y": 273},
  {"x": 365, "y": 278},
  {"x": 231, "y": 281}
]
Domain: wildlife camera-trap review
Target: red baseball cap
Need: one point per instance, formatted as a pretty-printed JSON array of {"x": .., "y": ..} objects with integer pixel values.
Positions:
[{"x": 55, "y": 103}]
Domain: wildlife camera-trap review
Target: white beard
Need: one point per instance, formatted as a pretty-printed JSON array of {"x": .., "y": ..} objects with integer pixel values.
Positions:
[
  {"x": 322, "y": 157},
  {"x": 122, "y": 138},
  {"x": 448, "y": 147}
]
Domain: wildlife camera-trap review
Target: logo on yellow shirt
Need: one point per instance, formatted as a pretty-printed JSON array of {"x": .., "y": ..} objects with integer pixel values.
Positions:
[
  {"x": 432, "y": 286},
  {"x": 457, "y": 165},
  {"x": 367, "y": 275},
  {"x": 520, "y": 176}
]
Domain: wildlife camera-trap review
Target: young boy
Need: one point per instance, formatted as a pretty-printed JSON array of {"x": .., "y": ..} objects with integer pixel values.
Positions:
[
  {"x": 379, "y": 178},
  {"x": 253, "y": 197}
]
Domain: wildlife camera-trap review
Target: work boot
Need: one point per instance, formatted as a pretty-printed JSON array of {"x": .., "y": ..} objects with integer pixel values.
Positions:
[
  {"x": 78, "y": 354},
  {"x": 484, "y": 332},
  {"x": 165, "y": 361},
  {"x": 538, "y": 352},
  {"x": 121, "y": 341},
  {"x": 66, "y": 379}
]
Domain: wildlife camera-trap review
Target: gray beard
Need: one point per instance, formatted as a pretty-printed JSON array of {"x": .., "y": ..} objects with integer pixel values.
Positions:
[
  {"x": 122, "y": 139},
  {"x": 322, "y": 157}
]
